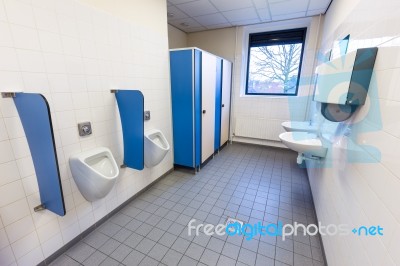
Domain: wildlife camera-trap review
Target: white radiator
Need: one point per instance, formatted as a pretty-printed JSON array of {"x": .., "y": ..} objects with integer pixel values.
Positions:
[{"x": 258, "y": 128}]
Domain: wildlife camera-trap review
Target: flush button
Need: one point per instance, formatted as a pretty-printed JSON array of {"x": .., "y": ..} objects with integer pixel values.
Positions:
[
  {"x": 85, "y": 129},
  {"x": 146, "y": 115}
]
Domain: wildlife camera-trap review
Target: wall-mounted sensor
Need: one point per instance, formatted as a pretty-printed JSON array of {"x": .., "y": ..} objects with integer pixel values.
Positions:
[
  {"x": 146, "y": 115},
  {"x": 85, "y": 129}
]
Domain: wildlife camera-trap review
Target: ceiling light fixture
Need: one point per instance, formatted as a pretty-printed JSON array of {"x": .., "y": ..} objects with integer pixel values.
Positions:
[{"x": 170, "y": 15}]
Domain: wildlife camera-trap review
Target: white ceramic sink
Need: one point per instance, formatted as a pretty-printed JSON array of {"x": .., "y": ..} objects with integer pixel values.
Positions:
[
  {"x": 295, "y": 126},
  {"x": 304, "y": 143}
]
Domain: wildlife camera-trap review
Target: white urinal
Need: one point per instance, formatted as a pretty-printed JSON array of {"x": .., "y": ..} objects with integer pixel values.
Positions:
[
  {"x": 156, "y": 147},
  {"x": 95, "y": 172}
]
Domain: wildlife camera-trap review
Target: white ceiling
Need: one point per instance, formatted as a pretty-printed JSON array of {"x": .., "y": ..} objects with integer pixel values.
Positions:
[{"x": 199, "y": 15}]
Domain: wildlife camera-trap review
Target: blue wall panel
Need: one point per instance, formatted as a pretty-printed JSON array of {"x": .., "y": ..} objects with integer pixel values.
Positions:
[
  {"x": 181, "y": 65},
  {"x": 34, "y": 112},
  {"x": 218, "y": 102},
  {"x": 131, "y": 111}
]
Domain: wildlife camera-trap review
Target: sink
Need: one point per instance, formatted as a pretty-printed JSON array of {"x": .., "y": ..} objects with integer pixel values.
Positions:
[
  {"x": 304, "y": 143},
  {"x": 302, "y": 126}
]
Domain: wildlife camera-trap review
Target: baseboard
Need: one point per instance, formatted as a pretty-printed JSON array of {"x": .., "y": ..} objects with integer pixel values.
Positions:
[
  {"x": 316, "y": 215},
  {"x": 262, "y": 145},
  {"x": 187, "y": 169},
  {"x": 221, "y": 148},
  {"x": 82, "y": 235},
  {"x": 261, "y": 142}
]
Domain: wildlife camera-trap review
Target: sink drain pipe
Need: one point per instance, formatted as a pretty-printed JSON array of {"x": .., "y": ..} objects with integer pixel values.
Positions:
[{"x": 301, "y": 157}]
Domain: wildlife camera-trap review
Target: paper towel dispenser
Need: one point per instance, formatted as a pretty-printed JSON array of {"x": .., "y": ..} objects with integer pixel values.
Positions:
[
  {"x": 345, "y": 80},
  {"x": 342, "y": 84}
]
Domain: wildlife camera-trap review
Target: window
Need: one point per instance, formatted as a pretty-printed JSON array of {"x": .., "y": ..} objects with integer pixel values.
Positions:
[{"x": 274, "y": 62}]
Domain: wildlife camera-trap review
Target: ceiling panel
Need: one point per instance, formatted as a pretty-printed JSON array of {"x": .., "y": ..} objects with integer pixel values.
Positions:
[
  {"x": 198, "y": 15},
  {"x": 288, "y": 6},
  {"x": 185, "y": 23},
  {"x": 241, "y": 14},
  {"x": 264, "y": 14},
  {"x": 226, "y": 5},
  {"x": 288, "y": 16},
  {"x": 177, "y": 2},
  {"x": 246, "y": 22},
  {"x": 196, "y": 29},
  {"x": 260, "y": 3},
  {"x": 219, "y": 26},
  {"x": 318, "y": 4},
  {"x": 212, "y": 19},
  {"x": 175, "y": 13},
  {"x": 198, "y": 8}
]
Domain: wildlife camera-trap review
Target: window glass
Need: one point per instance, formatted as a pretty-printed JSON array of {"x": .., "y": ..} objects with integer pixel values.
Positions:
[{"x": 274, "y": 62}]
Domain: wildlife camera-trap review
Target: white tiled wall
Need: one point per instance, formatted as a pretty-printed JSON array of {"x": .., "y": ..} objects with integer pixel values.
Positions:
[
  {"x": 364, "y": 193},
  {"x": 73, "y": 54}
]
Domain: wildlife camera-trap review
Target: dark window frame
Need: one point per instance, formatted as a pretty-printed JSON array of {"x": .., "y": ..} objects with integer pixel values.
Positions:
[{"x": 279, "y": 37}]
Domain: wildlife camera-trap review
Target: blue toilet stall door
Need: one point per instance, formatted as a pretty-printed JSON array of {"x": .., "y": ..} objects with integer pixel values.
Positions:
[
  {"x": 200, "y": 93},
  {"x": 218, "y": 103},
  {"x": 34, "y": 112},
  {"x": 131, "y": 110},
  {"x": 186, "y": 106}
]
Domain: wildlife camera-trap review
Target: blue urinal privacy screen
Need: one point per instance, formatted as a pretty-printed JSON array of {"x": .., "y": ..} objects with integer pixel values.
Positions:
[
  {"x": 131, "y": 111},
  {"x": 34, "y": 113}
]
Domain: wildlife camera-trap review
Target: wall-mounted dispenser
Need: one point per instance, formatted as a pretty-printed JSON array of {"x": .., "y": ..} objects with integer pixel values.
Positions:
[{"x": 342, "y": 84}]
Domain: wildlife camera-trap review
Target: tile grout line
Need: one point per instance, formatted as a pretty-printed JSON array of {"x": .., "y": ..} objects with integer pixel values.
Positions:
[{"x": 82, "y": 235}]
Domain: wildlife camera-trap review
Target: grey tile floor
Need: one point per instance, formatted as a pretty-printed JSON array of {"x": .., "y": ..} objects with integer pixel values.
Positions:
[{"x": 249, "y": 183}]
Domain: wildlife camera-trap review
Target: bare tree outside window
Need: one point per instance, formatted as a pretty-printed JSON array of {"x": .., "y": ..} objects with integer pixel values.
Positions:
[
  {"x": 274, "y": 69},
  {"x": 274, "y": 63}
]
